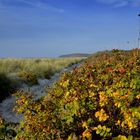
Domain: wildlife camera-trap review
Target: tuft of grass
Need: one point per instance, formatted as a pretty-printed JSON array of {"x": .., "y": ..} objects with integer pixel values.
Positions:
[{"x": 28, "y": 77}]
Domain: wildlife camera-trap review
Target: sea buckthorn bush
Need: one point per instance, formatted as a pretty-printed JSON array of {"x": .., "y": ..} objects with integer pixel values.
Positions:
[{"x": 99, "y": 100}]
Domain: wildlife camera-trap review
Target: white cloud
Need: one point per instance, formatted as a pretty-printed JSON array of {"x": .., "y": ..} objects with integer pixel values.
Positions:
[
  {"x": 107, "y": 1},
  {"x": 120, "y": 3},
  {"x": 34, "y": 3},
  {"x": 42, "y": 5}
]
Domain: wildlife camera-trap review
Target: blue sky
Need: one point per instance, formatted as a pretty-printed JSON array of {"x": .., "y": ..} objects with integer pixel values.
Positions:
[{"x": 49, "y": 28}]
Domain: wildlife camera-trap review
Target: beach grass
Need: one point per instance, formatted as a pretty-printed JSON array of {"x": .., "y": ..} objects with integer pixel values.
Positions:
[{"x": 41, "y": 67}]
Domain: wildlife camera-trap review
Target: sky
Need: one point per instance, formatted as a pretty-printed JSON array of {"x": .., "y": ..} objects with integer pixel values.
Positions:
[{"x": 50, "y": 28}]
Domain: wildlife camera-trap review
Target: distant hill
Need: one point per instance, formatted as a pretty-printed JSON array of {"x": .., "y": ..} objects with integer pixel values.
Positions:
[{"x": 76, "y": 55}]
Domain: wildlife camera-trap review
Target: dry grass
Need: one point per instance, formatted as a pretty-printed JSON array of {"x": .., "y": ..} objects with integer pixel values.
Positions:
[{"x": 38, "y": 66}]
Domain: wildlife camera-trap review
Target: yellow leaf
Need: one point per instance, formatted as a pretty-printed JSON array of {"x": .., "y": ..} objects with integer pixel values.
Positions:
[{"x": 121, "y": 137}]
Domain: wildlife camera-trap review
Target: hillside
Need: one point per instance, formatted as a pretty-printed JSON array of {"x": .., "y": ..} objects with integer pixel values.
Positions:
[
  {"x": 76, "y": 55},
  {"x": 99, "y": 100}
]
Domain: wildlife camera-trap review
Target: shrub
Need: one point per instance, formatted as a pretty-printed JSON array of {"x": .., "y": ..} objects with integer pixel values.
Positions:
[
  {"x": 99, "y": 100},
  {"x": 7, "y": 131},
  {"x": 49, "y": 73},
  {"x": 28, "y": 77},
  {"x": 5, "y": 86}
]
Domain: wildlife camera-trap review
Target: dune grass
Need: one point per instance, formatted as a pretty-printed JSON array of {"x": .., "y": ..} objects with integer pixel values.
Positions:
[
  {"x": 13, "y": 72},
  {"x": 41, "y": 67}
]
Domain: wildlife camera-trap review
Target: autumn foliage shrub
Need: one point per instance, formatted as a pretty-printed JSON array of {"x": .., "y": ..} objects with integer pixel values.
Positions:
[{"x": 99, "y": 100}]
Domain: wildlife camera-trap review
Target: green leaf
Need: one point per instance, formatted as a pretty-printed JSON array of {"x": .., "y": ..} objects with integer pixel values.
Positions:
[
  {"x": 69, "y": 120},
  {"x": 108, "y": 129},
  {"x": 75, "y": 106},
  {"x": 130, "y": 137},
  {"x": 102, "y": 133},
  {"x": 90, "y": 121},
  {"x": 98, "y": 131},
  {"x": 115, "y": 138}
]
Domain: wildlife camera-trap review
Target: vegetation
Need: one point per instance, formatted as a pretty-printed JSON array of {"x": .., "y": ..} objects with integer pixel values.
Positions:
[
  {"x": 13, "y": 72},
  {"x": 76, "y": 55},
  {"x": 99, "y": 100},
  {"x": 7, "y": 131},
  {"x": 43, "y": 67},
  {"x": 28, "y": 77},
  {"x": 6, "y": 86}
]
